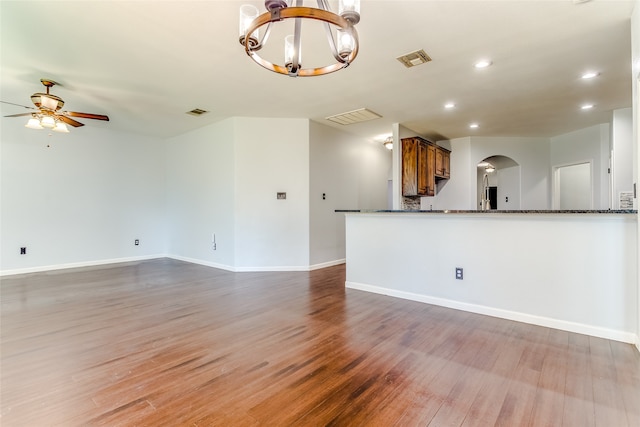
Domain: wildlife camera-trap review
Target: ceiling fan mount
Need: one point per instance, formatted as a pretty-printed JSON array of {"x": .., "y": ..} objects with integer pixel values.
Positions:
[
  {"x": 49, "y": 106},
  {"x": 46, "y": 100}
]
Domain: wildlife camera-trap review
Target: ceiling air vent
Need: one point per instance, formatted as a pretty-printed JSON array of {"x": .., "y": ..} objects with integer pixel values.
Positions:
[
  {"x": 414, "y": 58},
  {"x": 355, "y": 116},
  {"x": 197, "y": 112}
]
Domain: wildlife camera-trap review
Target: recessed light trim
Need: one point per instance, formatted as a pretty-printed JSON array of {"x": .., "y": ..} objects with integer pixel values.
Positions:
[
  {"x": 449, "y": 105},
  {"x": 587, "y": 106},
  {"x": 483, "y": 63},
  {"x": 590, "y": 75},
  {"x": 474, "y": 126}
]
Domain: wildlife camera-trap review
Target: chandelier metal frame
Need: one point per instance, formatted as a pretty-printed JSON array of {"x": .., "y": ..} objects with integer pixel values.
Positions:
[{"x": 277, "y": 13}]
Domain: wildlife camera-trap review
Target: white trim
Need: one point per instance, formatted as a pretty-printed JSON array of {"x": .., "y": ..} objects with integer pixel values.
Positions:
[
  {"x": 258, "y": 269},
  {"x": 42, "y": 268},
  {"x": 564, "y": 325},
  {"x": 327, "y": 264},
  {"x": 202, "y": 262},
  {"x": 292, "y": 268}
]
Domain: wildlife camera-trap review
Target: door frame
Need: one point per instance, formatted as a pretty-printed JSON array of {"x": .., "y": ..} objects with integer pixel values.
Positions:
[{"x": 555, "y": 184}]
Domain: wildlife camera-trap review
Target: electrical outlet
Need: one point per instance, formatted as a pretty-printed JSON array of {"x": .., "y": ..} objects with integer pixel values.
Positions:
[
  {"x": 459, "y": 275},
  {"x": 281, "y": 196},
  {"x": 137, "y": 242},
  {"x": 214, "y": 246},
  {"x": 23, "y": 250}
]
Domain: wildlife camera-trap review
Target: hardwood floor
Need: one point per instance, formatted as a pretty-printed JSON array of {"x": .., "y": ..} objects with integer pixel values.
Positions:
[{"x": 167, "y": 343}]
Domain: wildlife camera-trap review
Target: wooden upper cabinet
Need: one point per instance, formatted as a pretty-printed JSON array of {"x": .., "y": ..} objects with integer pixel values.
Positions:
[
  {"x": 418, "y": 161},
  {"x": 422, "y": 163},
  {"x": 443, "y": 160},
  {"x": 409, "y": 167}
]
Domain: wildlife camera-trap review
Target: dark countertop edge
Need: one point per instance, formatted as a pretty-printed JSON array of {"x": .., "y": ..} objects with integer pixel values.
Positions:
[{"x": 493, "y": 212}]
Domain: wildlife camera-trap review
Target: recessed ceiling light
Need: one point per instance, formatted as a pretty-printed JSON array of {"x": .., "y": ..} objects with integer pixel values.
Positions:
[
  {"x": 474, "y": 125},
  {"x": 449, "y": 105},
  {"x": 587, "y": 106},
  {"x": 484, "y": 63},
  {"x": 590, "y": 75}
]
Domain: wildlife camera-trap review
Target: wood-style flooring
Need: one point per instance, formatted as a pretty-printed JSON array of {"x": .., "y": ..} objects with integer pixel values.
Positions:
[{"x": 167, "y": 343}]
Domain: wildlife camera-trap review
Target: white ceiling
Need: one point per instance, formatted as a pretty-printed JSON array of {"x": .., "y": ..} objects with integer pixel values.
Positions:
[{"x": 145, "y": 63}]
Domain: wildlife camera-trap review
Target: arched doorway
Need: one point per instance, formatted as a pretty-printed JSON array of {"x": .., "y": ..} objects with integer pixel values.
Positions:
[{"x": 498, "y": 179}]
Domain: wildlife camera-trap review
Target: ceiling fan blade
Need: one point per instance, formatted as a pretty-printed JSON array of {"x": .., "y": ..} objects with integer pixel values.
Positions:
[
  {"x": 86, "y": 115},
  {"x": 20, "y": 115},
  {"x": 18, "y": 105},
  {"x": 70, "y": 121}
]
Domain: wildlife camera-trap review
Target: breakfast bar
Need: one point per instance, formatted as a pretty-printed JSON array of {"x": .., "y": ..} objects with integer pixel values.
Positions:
[{"x": 570, "y": 270}]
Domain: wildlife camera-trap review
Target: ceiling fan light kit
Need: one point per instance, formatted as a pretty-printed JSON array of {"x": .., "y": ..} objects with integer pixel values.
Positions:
[
  {"x": 48, "y": 114},
  {"x": 344, "y": 45},
  {"x": 34, "y": 123}
]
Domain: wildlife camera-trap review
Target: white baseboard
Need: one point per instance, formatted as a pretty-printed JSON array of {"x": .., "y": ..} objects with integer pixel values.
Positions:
[
  {"x": 258, "y": 269},
  {"x": 564, "y": 325},
  {"x": 43, "y": 268},
  {"x": 327, "y": 264},
  {"x": 202, "y": 262}
]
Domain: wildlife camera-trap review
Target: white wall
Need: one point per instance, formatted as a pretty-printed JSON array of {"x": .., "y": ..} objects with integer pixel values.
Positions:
[
  {"x": 635, "y": 59},
  {"x": 622, "y": 148},
  {"x": 200, "y": 195},
  {"x": 525, "y": 267},
  {"x": 532, "y": 154},
  {"x": 586, "y": 145},
  {"x": 271, "y": 156},
  {"x": 79, "y": 198},
  {"x": 459, "y": 192},
  {"x": 353, "y": 174}
]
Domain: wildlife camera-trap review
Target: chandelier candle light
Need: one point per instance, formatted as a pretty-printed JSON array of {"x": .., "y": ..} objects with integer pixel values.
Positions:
[{"x": 344, "y": 46}]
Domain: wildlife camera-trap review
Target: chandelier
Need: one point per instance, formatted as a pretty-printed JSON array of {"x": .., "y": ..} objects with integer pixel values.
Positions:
[{"x": 343, "y": 46}]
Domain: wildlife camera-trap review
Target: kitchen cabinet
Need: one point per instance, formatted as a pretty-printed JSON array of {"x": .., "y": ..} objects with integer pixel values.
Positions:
[
  {"x": 443, "y": 161},
  {"x": 418, "y": 159},
  {"x": 423, "y": 163}
]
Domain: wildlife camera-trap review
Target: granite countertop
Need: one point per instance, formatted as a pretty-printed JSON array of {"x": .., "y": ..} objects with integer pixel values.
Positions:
[{"x": 493, "y": 212}]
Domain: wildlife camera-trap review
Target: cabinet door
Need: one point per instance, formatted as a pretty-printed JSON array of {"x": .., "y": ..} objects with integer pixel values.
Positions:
[
  {"x": 439, "y": 162},
  {"x": 446, "y": 165},
  {"x": 409, "y": 167},
  {"x": 423, "y": 169},
  {"x": 430, "y": 167}
]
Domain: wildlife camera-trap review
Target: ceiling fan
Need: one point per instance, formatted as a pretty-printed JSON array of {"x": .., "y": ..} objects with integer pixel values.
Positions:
[{"x": 47, "y": 113}]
